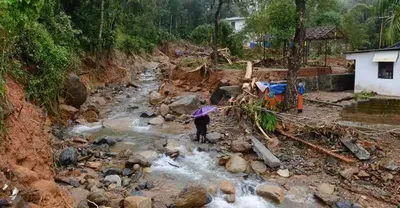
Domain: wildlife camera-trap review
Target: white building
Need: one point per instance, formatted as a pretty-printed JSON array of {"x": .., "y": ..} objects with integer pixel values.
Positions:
[
  {"x": 377, "y": 70},
  {"x": 237, "y": 23}
]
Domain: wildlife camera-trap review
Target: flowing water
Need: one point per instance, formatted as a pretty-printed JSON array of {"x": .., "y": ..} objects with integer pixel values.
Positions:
[{"x": 191, "y": 165}]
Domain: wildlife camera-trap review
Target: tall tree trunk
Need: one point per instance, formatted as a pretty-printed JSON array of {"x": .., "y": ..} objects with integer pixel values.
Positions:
[
  {"x": 216, "y": 31},
  {"x": 101, "y": 22},
  {"x": 295, "y": 55}
]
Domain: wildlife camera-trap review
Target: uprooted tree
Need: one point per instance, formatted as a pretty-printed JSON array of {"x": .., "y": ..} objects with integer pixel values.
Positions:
[{"x": 295, "y": 54}]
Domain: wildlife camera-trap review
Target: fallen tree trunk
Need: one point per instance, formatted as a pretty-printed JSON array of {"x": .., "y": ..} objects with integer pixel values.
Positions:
[
  {"x": 345, "y": 159},
  {"x": 322, "y": 102},
  {"x": 247, "y": 76}
]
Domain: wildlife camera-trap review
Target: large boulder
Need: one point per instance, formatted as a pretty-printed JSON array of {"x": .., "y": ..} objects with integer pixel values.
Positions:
[
  {"x": 159, "y": 120},
  {"x": 68, "y": 156},
  {"x": 219, "y": 94},
  {"x": 236, "y": 164},
  {"x": 68, "y": 112},
  {"x": 137, "y": 159},
  {"x": 193, "y": 195},
  {"x": 75, "y": 91},
  {"x": 271, "y": 192},
  {"x": 241, "y": 146},
  {"x": 214, "y": 137},
  {"x": 185, "y": 105},
  {"x": 137, "y": 202},
  {"x": 155, "y": 98}
]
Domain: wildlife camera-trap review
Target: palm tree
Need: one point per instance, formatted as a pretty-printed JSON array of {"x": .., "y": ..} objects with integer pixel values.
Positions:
[{"x": 391, "y": 10}]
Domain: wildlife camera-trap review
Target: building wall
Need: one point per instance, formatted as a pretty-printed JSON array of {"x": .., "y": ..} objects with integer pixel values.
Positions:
[
  {"x": 367, "y": 75},
  {"x": 239, "y": 25}
]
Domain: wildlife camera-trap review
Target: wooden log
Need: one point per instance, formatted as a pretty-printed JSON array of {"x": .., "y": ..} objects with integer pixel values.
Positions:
[
  {"x": 348, "y": 160},
  {"x": 322, "y": 102},
  {"x": 198, "y": 68},
  {"x": 249, "y": 70}
]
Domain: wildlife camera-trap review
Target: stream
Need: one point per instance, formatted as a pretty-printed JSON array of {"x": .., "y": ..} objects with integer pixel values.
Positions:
[{"x": 122, "y": 119}]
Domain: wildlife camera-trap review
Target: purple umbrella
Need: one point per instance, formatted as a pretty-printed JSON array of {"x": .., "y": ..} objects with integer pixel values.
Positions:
[{"x": 203, "y": 111}]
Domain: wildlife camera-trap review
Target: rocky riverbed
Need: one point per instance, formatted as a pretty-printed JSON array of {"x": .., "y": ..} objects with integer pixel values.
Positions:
[{"x": 133, "y": 147}]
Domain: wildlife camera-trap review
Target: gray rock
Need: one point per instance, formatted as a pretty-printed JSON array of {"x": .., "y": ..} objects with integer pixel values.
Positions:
[
  {"x": 389, "y": 164},
  {"x": 111, "y": 171},
  {"x": 272, "y": 192},
  {"x": 344, "y": 204},
  {"x": 75, "y": 91},
  {"x": 185, "y": 105},
  {"x": 349, "y": 172},
  {"x": 356, "y": 149},
  {"x": 83, "y": 204},
  {"x": 127, "y": 172},
  {"x": 160, "y": 144},
  {"x": 105, "y": 140},
  {"x": 115, "y": 179},
  {"x": 159, "y": 120},
  {"x": 126, "y": 181},
  {"x": 214, "y": 137},
  {"x": 148, "y": 114},
  {"x": 68, "y": 156},
  {"x": 326, "y": 188},
  {"x": 265, "y": 154},
  {"x": 258, "y": 167},
  {"x": 98, "y": 197},
  {"x": 193, "y": 195}
]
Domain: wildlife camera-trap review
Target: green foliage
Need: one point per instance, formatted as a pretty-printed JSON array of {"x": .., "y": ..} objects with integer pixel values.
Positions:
[
  {"x": 360, "y": 27},
  {"x": 235, "y": 44},
  {"x": 267, "y": 120},
  {"x": 391, "y": 9},
  {"x": 364, "y": 95},
  {"x": 282, "y": 18},
  {"x": 50, "y": 62},
  {"x": 201, "y": 35}
]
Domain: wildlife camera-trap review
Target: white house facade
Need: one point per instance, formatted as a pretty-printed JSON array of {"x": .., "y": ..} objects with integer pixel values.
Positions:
[
  {"x": 237, "y": 23},
  {"x": 377, "y": 71}
]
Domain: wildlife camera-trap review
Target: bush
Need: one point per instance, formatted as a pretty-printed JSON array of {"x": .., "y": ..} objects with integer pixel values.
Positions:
[
  {"x": 165, "y": 37},
  {"x": 135, "y": 44},
  {"x": 235, "y": 44},
  {"x": 48, "y": 61},
  {"x": 201, "y": 35}
]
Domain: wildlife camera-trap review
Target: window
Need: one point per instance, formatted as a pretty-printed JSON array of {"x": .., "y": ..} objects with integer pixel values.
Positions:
[
  {"x": 233, "y": 25},
  {"x": 385, "y": 70}
]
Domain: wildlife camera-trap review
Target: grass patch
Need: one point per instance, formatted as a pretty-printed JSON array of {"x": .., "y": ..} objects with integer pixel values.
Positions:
[{"x": 364, "y": 95}]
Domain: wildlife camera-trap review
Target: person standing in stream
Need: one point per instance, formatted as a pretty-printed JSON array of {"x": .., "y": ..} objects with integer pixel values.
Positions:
[{"x": 201, "y": 127}]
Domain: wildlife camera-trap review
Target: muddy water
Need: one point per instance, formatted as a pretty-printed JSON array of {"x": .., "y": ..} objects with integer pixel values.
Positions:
[{"x": 192, "y": 165}]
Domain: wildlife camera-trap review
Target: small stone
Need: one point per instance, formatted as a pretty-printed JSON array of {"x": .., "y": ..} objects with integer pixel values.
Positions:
[
  {"x": 272, "y": 192},
  {"x": 127, "y": 172},
  {"x": 159, "y": 120},
  {"x": 258, "y": 167},
  {"x": 112, "y": 186},
  {"x": 326, "y": 188},
  {"x": 68, "y": 156},
  {"x": 98, "y": 197},
  {"x": 149, "y": 155},
  {"x": 327, "y": 199},
  {"x": 136, "y": 167},
  {"x": 164, "y": 109},
  {"x": 389, "y": 164},
  {"x": 94, "y": 165},
  {"x": 137, "y": 159},
  {"x": 363, "y": 174},
  {"x": 170, "y": 117},
  {"x": 149, "y": 185},
  {"x": 113, "y": 179},
  {"x": 227, "y": 187},
  {"x": 283, "y": 173},
  {"x": 349, "y": 172},
  {"x": 230, "y": 198},
  {"x": 126, "y": 181},
  {"x": 105, "y": 140},
  {"x": 111, "y": 171},
  {"x": 343, "y": 204},
  {"x": 193, "y": 195},
  {"x": 137, "y": 202},
  {"x": 160, "y": 144},
  {"x": 148, "y": 114},
  {"x": 155, "y": 98}
]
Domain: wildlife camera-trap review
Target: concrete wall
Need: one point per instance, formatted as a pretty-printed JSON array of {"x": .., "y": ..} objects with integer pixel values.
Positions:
[
  {"x": 367, "y": 75},
  {"x": 329, "y": 82},
  {"x": 375, "y": 110}
]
